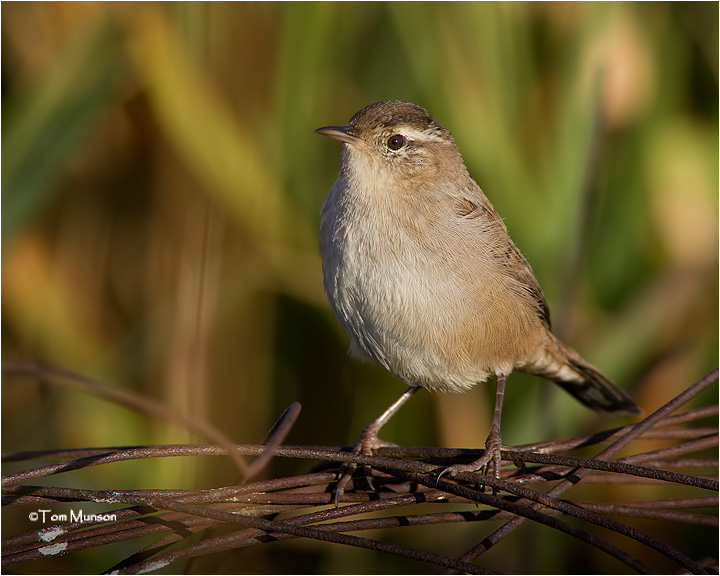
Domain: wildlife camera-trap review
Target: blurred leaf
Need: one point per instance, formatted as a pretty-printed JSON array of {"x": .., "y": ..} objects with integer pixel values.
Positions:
[
  {"x": 47, "y": 122},
  {"x": 226, "y": 157}
]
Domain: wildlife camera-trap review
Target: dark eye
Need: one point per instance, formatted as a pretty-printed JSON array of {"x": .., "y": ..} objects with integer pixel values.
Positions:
[{"x": 396, "y": 142}]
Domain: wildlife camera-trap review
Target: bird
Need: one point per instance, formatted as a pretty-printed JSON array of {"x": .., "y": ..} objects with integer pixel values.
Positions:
[{"x": 420, "y": 271}]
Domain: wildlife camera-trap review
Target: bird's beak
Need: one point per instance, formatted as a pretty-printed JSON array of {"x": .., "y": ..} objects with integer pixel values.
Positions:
[{"x": 343, "y": 133}]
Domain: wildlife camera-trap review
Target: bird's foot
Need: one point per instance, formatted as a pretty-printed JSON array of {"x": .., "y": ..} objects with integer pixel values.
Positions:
[
  {"x": 365, "y": 445},
  {"x": 488, "y": 463}
]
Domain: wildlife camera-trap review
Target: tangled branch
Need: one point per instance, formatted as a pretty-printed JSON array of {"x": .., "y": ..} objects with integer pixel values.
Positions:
[{"x": 300, "y": 507}]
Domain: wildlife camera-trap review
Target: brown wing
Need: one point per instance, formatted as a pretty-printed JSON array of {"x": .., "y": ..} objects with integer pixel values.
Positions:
[
  {"x": 509, "y": 255},
  {"x": 523, "y": 272}
]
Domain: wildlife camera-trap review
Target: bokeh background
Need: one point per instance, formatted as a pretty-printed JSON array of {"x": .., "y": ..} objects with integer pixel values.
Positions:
[{"x": 161, "y": 189}]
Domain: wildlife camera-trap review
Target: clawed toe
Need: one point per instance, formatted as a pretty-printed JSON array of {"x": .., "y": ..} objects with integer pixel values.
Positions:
[
  {"x": 365, "y": 445},
  {"x": 488, "y": 463},
  {"x": 344, "y": 476}
]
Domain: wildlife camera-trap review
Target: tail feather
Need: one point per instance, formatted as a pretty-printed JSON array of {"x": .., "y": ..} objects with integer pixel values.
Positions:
[
  {"x": 597, "y": 391},
  {"x": 585, "y": 382}
]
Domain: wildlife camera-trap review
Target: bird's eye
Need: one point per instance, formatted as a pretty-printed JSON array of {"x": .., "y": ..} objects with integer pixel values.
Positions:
[{"x": 396, "y": 141}]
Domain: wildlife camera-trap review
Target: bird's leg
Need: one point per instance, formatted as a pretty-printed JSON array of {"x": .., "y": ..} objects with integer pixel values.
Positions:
[
  {"x": 369, "y": 440},
  {"x": 491, "y": 458}
]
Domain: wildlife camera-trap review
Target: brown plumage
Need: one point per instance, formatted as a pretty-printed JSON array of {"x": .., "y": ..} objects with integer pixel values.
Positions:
[{"x": 421, "y": 272}]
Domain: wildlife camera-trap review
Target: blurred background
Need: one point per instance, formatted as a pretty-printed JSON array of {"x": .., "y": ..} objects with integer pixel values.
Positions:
[{"x": 161, "y": 189}]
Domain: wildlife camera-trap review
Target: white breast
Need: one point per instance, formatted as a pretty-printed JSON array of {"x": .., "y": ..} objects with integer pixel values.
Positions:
[{"x": 399, "y": 306}]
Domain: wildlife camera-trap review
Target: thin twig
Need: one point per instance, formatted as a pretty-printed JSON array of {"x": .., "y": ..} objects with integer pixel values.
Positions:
[{"x": 144, "y": 405}]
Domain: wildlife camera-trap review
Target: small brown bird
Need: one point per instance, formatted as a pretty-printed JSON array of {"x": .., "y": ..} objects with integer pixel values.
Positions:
[{"x": 421, "y": 273}]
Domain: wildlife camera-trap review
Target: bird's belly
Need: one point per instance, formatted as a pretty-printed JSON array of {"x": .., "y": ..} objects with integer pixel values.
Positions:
[{"x": 416, "y": 321}]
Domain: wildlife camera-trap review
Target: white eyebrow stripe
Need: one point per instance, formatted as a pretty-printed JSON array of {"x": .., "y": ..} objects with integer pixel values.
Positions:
[{"x": 427, "y": 136}]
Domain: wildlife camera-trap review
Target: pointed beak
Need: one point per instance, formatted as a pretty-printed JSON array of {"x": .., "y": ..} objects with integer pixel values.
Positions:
[{"x": 343, "y": 133}]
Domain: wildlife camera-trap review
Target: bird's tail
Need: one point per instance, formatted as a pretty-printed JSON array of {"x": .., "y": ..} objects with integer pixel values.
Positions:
[{"x": 568, "y": 369}]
